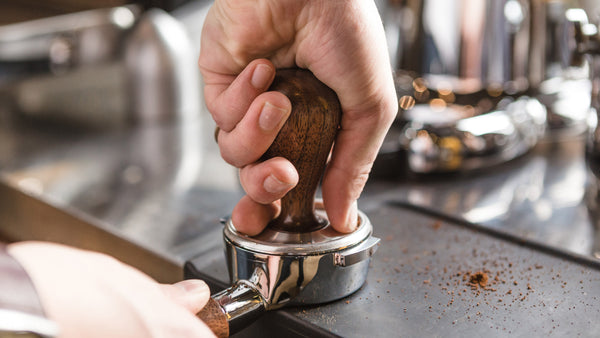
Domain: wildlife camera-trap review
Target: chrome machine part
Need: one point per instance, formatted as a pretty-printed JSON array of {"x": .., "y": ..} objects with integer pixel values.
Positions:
[
  {"x": 461, "y": 66},
  {"x": 323, "y": 240},
  {"x": 565, "y": 86},
  {"x": 278, "y": 268},
  {"x": 68, "y": 40},
  {"x": 455, "y": 139},
  {"x": 464, "y": 46},
  {"x": 100, "y": 69},
  {"x": 587, "y": 46}
]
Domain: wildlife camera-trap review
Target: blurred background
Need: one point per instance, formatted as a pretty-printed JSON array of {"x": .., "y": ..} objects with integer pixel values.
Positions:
[{"x": 16, "y": 11}]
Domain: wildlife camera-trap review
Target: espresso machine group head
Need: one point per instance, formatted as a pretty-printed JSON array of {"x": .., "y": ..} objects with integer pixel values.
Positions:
[{"x": 299, "y": 258}]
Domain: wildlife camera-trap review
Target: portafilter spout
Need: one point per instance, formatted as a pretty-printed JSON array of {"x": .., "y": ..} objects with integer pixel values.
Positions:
[{"x": 299, "y": 258}]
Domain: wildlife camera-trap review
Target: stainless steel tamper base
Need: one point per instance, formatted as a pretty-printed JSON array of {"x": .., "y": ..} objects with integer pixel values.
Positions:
[{"x": 278, "y": 268}]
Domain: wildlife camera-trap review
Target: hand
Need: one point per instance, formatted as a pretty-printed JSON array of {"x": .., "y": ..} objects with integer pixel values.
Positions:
[
  {"x": 343, "y": 44},
  {"x": 93, "y": 295}
]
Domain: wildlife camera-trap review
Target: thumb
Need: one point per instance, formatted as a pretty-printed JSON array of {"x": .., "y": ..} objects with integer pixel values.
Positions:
[{"x": 192, "y": 294}]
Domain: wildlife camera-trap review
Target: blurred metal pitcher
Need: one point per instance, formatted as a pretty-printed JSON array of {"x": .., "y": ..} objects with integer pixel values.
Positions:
[
  {"x": 458, "y": 61},
  {"x": 467, "y": 45}
]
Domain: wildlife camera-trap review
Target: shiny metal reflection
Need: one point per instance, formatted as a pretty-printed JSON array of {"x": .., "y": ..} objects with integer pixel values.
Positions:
[
  {"x": 101, "y": 69},
  {"x": 278, "y": 268},
  {"x": 469, "y": 44},
  {"x": 463, "y": 66},
  {"x": 453, "y": 138}
]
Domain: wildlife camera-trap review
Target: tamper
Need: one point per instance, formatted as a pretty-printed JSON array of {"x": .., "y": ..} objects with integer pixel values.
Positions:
[{"x": 299, "y": 258}]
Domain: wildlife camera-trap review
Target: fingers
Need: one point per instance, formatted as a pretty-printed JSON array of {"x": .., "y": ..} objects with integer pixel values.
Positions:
[
  {"x": 191, "y": 294},
  {"x": 270, "y": 180},
  {"x": 343, "y": 44},
  {"x": 255, "y": 132},
  {"x": 362, "y": 78},
  {"x": 251, "y": 218},
  {"x": 249, "y": 118},
  {"x": 228, "y": 96},
  {"x": 265, "y": 183},
  {"x": 339, "y": 199},
  {"x": 354, "y": 152}
]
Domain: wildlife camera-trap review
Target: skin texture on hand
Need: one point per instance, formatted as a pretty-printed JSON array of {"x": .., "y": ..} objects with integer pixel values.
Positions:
[
  {"x": 91, "y": 295},
  {"x": 343, "y": 43}
]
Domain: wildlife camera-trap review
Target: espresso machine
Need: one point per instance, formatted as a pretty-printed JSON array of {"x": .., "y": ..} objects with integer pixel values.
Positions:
[
  {"x": 102, "y": 69},
  {"x": 480, "y": 83},
  {"x": 586, "y": 48}
]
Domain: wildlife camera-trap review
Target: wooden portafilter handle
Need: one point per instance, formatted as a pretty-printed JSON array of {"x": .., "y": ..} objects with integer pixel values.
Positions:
[{"x": 305, "y": 140}]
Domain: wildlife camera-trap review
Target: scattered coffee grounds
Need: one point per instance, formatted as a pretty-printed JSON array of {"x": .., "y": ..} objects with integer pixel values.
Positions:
[{"x": 478, "y": 279}]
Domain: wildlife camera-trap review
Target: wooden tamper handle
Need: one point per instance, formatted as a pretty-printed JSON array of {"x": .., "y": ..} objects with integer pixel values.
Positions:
[{"x": 305, "y": 140}]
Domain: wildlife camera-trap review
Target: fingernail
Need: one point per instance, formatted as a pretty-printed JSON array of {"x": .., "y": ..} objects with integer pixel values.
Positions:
[
  {"x": 261, "y": 76},
  {"x": 271, "y": 116},
  {"x": 275, "y": 186}
]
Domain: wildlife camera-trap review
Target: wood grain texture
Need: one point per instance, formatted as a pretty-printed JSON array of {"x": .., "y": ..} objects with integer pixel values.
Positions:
[
  {"x": 214, "y": 317},
  {"x": 305, "y": 140}
]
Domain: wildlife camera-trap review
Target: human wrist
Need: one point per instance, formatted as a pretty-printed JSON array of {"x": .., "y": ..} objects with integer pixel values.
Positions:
[{"x": 21, "y": 313}]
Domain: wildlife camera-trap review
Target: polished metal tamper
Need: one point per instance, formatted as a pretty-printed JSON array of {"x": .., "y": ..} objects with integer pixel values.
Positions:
[{"x": 299, "y": 258}]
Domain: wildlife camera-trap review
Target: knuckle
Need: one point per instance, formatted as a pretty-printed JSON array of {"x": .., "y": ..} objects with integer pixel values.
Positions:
[
  {"x": 390, "y": 110},
  {"x": 230, "y": 158},
  {"x": 355, "y": 179},
  {"x": 380, "y": 109},
  {"x": 261, "y": 196},
  {"x": 239, "y": 157},
  {"x": 223, "y": 123},
  {"x": 357, "y": 184}
]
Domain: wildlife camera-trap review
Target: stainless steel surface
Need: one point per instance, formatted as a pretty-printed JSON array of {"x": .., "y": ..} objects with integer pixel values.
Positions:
[
  {"x": 564, "y": 87},
  {"x": 278, "y": 268},
  {"x": 242, "y": 303},
  {"x": 160, "y": 71},
  {"x": 419, "y": 282},
  {"x": 455, "y": 138},
  {"x": 465, "y": 46},
  {"x": 101, "y": 69},
  {"x": 292, "y": 270},
  {"x": 471, "y": 76},
  {"x": 73, "y": 39},
  {"x": 320, "y": 241},
  {"x": 540, "y": 197},
  {"x": 588, "y": 45}
]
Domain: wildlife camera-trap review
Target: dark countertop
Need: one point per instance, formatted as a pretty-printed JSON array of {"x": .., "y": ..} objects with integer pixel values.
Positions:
[{"x": 419, "y": 285}]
